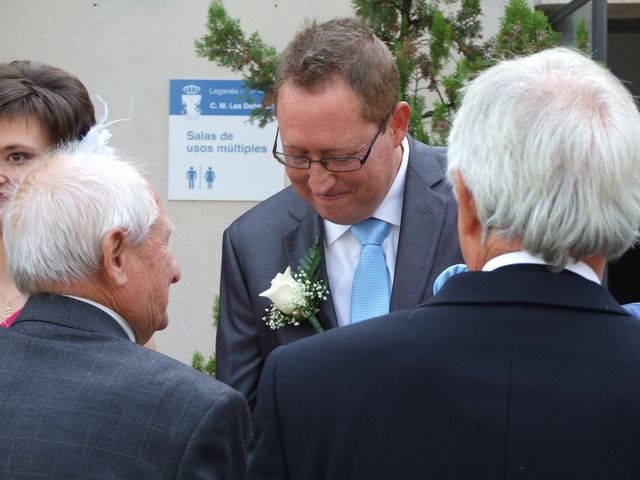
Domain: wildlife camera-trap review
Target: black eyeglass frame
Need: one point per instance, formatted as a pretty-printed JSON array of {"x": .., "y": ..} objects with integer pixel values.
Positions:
[{"x": 324, "y": 161}]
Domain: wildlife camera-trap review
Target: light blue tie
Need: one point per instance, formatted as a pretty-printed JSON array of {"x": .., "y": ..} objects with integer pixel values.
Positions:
[{"x": 370, "y": 291}]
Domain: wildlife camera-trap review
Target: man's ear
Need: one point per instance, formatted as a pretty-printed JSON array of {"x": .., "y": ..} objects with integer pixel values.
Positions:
[
  {"x": 399, "y": 122},
  {"x": 468, "y": 223},
  {"x": 115, "y": 249}
]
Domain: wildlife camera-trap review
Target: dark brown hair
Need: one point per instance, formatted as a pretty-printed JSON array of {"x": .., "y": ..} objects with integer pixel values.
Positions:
[{"x": 56, "y": 98}]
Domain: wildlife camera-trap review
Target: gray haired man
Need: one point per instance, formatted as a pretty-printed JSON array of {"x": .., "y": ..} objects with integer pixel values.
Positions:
[{"x": 88, "y": 239}]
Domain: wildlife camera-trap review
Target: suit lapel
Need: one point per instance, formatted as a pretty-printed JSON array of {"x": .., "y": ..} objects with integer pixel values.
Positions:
[
  {"x": 297, "y": 241},
  {"x": 423, "y": 218}
]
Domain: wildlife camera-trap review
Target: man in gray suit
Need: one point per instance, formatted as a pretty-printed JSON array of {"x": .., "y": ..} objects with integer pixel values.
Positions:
[
  {"x": 343, "y": 141},
  {"x": 87, "y": 238}
]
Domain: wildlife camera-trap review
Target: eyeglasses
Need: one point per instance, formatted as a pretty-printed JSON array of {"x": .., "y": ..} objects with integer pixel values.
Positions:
[{"x": 333, "y": 164}]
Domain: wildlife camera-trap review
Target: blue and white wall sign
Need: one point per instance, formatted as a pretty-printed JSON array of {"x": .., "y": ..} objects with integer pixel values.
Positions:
[{"x": 214, "y": 152}]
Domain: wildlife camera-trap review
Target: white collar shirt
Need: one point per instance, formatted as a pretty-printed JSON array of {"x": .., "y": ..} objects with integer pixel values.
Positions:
[{"x": 513, "y": 258}]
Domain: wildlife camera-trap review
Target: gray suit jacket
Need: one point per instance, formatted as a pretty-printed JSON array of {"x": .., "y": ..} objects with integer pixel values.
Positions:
[
  {"x": 277, "y": 233},
  {"x": 81, "y": 401}
]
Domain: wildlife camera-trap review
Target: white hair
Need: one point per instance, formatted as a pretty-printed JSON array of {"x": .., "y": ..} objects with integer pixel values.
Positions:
[
  {"x": 54, "y": 224},
  {"x": 549, "y": 147}
]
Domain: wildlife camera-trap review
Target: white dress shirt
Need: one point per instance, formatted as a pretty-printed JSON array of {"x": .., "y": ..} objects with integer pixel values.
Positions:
[
  {"x": 342, "y": 250},
  {"x": 512, "y": 258},
  {"x": 117, "y": 318}
]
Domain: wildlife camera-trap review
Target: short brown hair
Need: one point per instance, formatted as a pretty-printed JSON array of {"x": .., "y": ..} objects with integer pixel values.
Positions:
[
  {"x": 56, "y": 98},
  {"x": 344, "y": 48}
]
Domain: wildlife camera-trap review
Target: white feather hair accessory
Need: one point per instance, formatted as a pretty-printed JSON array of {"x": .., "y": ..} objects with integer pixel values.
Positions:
[{"x": 97, "y": 137}]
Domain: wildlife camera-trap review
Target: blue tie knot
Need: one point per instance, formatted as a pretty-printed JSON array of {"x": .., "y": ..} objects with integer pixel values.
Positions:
[{"x": 370, "y": 231}]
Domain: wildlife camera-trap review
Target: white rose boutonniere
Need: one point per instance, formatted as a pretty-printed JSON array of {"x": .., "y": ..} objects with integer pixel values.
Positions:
[
  {"x": 285, "y": 292},
  {"x": 296, "y": 296}
]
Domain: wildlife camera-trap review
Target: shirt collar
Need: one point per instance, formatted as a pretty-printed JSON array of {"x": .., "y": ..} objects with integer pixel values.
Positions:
[
  {"x": 390, "y": 210},
  {"x": 512, "y": 258},
  {"x": 119, "y": 320}
]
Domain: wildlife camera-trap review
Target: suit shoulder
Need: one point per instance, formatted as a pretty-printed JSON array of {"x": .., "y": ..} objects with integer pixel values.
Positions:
[
  {"x": 423, "y": 150},
  {"x": 426, "y": 174},
  {"x": 429, "y": 164},
  {"x": 158, "y": 371}
]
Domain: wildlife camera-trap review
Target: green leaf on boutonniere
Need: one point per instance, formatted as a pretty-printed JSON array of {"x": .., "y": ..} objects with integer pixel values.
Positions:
[{"x": 310, "y": 262}]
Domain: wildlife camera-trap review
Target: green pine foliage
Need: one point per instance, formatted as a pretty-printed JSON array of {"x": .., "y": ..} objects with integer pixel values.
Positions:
[
  {"x": 523, "y": 31},
  {"x": 198, "y": 361},
  {"x": 215, "y": 310},
  {"x": 207, "y": 366},
  {"x": 582, "y": 36},
  {"x": 227, "y": 46}
]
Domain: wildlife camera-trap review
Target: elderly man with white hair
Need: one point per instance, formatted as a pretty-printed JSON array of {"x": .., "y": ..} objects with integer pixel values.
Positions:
[
  {"x": 524, "y": 367},
  {"x": 87, "y": 238}
]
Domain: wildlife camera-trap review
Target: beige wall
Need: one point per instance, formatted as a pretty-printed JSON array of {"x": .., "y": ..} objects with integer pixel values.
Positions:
[{"x": 127, "y": 51}]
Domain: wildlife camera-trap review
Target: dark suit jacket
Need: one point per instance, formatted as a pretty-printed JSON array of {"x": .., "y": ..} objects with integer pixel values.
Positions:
[
  {"x": 517, "y": 373},
  {"x": 277, "y": 233},
  {"x": 79, "y": 400}
]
